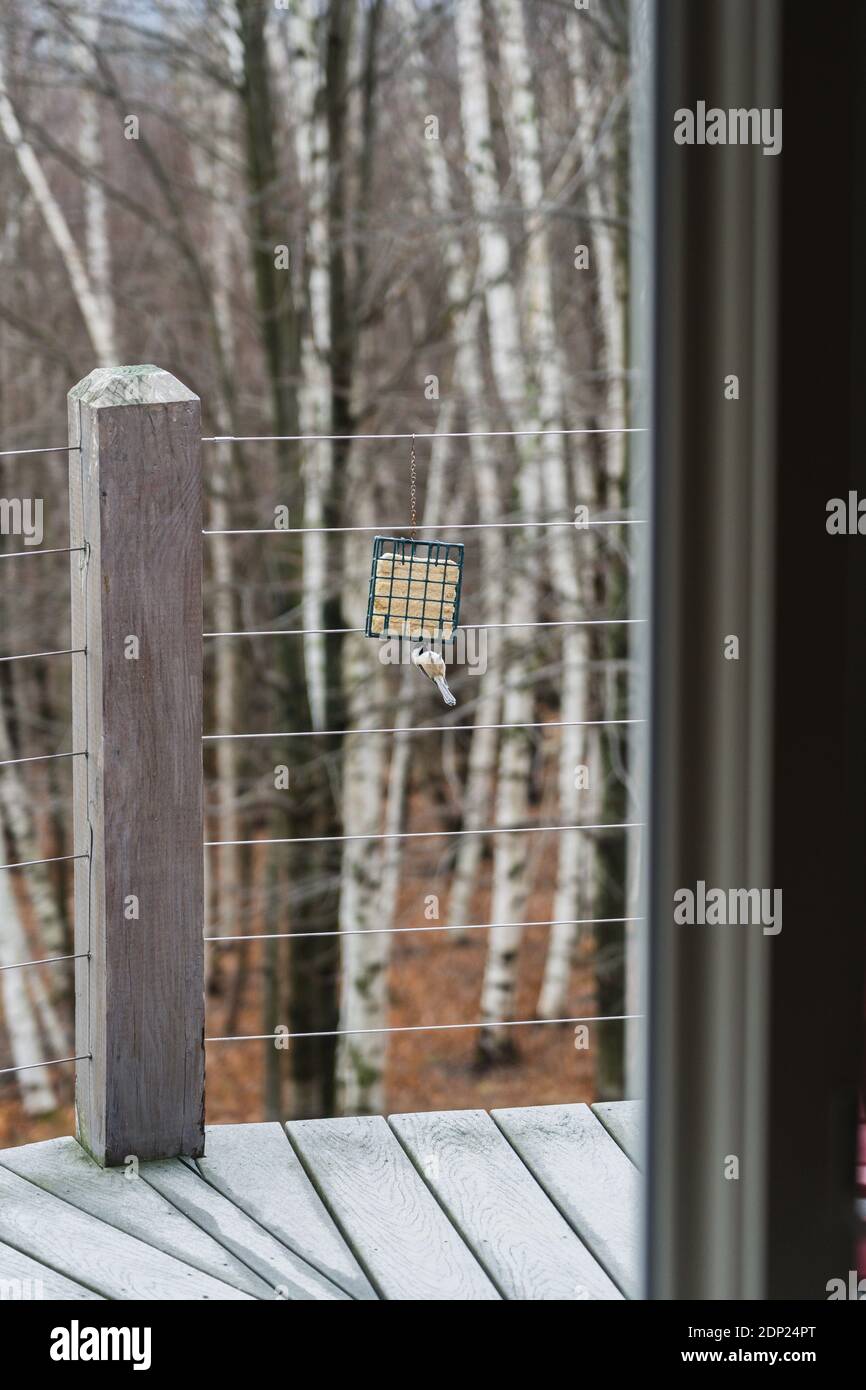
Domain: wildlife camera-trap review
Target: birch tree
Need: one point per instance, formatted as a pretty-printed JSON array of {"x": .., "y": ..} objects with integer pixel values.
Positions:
[
  {"x": 96, "y": 223},
  {"x": 466, "y": 316},
  {"x": 589, "y": 68},
  {"x": 598, "y": 88},
  {"x": 89, "y": 303},
  {"x": 312, "y": 149},
  {"x": 506, "y": 349},
  {"x": 34, "y": 1084},
  {"x": 222, "y": 249},
  {"x": 546, "y": 373},
  {"x": 360, "y": 1058},
  {"x": 371, "y": 872}
]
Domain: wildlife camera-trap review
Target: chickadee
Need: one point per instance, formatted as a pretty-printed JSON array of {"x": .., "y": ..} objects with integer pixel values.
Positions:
[{"x": 433, "y": 666}]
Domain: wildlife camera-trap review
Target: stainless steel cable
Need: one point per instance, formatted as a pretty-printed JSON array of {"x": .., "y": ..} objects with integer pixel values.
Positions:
[
  {"x": 431, "y": 434},
  {"x": 44, "y": 960},
  {"x": 426, "y": 1028},
  {"x": 33, "y": 656},
  {"x": 464, "y": 627},
  {"x": 398, "y": 526},
  {"x": 51, "y": 449},
  {"x": 418, "y": 834},
  {"x": 418, "y": 729},
  {"x": 52, "y": 1062},
  {"x": 402, "y": 931},
  {"x": 54, "y": 859},
  {"x": 39, "y": 758},
  {"x": 41, "y": 550}
]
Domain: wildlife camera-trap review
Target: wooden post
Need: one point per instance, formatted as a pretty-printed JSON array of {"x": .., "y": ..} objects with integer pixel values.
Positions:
[{"x": 135, "y": 506}]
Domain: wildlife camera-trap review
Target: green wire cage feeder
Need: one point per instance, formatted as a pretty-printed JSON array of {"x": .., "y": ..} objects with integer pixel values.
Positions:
[{"x": 414, "y": 588}]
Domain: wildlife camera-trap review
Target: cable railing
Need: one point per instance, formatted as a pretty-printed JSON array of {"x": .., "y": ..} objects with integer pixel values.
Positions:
[
  {"x": 52, "y": 859},
  {"x": 49, "y": 449},
  {"x": 41, "y": 550},
  {"x": 41, "y": 656},
  {"x": 413, "y": 434},
  {"x": 358, "y": 438},
  {"x": 421, "y": 729},
  {"x": 404, "y": 931},
  {"x": 464, "y": 627},
  {"x": 45, "y": 960},
  {"x": 532, "y": 524},
  {"x": 424, "y": 1028},
  {"x": 51, "y": 1062},
  {"x": 431, "y": 526},
  {"x": 419, "y": 834},
  {"x": 67, "y": 957},
  {"x": 39, "y": 758}
]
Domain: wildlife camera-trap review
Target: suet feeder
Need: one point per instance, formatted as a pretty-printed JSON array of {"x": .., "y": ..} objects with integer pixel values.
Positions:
[{"x": 414, "y": 588}]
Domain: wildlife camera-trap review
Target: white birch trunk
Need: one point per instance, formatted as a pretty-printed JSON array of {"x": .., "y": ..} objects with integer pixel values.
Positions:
[
  {"x": 599, "y": 189},
  {"x": 366, "y": 960},
  {"x": 360, "y": 1058},
  {"x": 469, "y": 372},
  {"x": 510, "y": 853},
  {"x": 37, "y": 1096},
  {"x": 573, "y": 847},
  {"x": 315, "y": 400},
  {"x": 88, "y": 301},
  {"x": 224, "y": 905},
  {"x": 16, "y": 811},
  {"x": 371, "y": 904},
  {"x": 599, "y": 192},
  {"x": 97, "y": 236},
  {"x": 469, "y": 375},
  {"x": 56, "y": 1034}
]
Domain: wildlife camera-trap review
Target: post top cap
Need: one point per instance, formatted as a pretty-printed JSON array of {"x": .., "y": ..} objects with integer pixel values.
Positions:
[{"x": 142, "y": 385}]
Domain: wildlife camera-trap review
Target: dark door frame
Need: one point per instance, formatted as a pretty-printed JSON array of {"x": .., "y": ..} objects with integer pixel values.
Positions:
[{"x": 757, "y": 766}]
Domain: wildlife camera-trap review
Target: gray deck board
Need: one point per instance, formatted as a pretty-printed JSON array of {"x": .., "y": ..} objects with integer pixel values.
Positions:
[
  {"x": 394, "y": 1224},
  {"x": 587, "y": 1175},
  {"x": 255, "y": 1166},
  {"x": 623, "y": 1120},
  {"x": 88, "y": 1250},
  {"x": 61, "y": 1167},
  {"x": 35, "y": 1281},
  {"x": 515, "y": 1231},
  {"x": 523, "y": 1204},
  {"x": 287, "y": 1275}
]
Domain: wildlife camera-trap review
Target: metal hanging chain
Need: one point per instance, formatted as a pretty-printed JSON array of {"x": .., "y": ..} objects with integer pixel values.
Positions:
[{"x": 413, "y": 489}]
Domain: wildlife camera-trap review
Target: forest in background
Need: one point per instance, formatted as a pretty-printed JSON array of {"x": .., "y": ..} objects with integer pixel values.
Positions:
[{"x": 338, "y": 218}]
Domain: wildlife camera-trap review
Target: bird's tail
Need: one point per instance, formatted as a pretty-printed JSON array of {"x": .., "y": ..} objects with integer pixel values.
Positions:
[{"x": 442, "y": 687}]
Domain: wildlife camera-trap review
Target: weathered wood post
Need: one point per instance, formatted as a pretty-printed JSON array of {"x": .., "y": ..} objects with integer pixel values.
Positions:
[{"x": 135, "y": 506}]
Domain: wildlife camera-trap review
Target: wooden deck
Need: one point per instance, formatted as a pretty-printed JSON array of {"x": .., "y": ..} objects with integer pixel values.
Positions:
[{"x": 534, "y": 1203}]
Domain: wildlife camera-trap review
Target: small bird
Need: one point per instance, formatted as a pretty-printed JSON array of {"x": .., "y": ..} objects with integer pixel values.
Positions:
[{"x": 433, "y": 666}]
